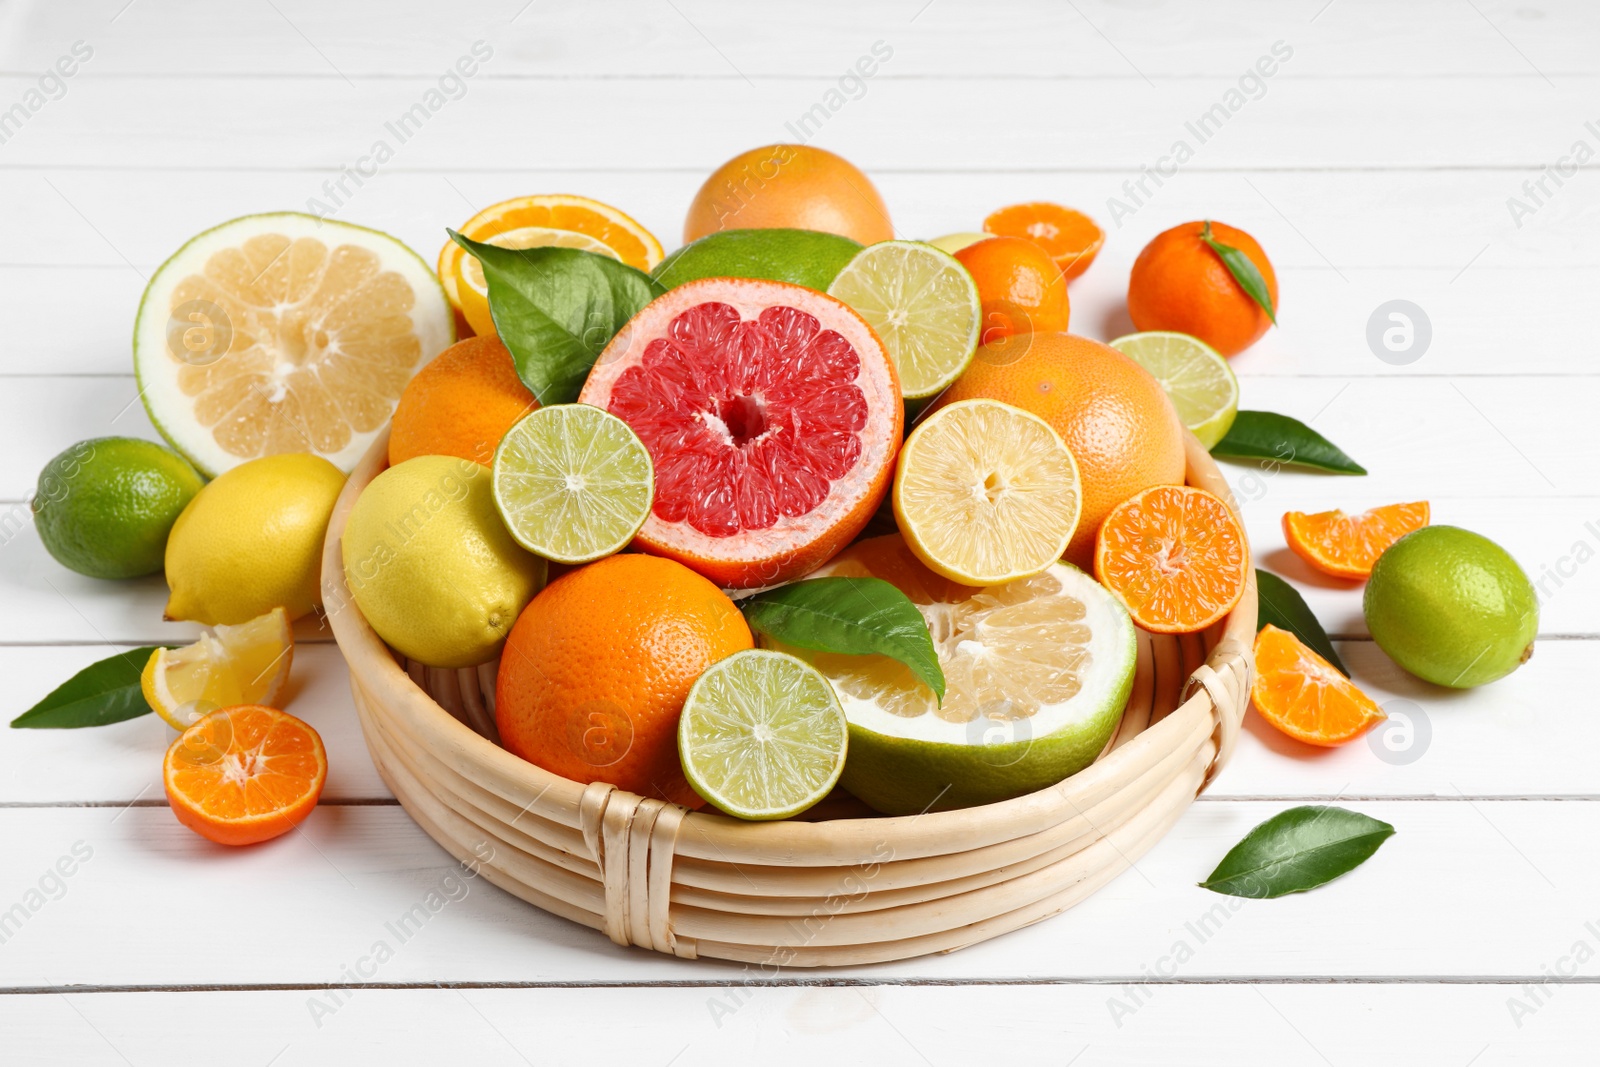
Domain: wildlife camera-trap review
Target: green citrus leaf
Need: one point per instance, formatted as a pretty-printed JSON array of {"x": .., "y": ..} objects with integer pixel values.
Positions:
[
  {"x": 850, "y": 615},
  {"x": 1296, "y": 850},
  {"x": 1244, "y": 271},
  {"x": 556, "y": 309},
  {"x": 1279, "y": 604},
  {"x": 1272, "y": 438},
  {"x": 100, "y": 694}
]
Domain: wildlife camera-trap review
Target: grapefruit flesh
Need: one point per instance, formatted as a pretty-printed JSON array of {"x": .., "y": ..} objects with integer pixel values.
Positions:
[{"x": 772, "y": 414}]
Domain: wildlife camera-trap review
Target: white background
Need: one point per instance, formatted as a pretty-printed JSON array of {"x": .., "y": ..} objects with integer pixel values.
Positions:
[{"x": 1376, "y": 164}]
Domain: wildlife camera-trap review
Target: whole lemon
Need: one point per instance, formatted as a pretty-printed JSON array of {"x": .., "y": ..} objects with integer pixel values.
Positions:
[
  {"x": 432, "y": 566},
  {"x": 1452, "y": 607},
  {"x": 251, "y": 541}
]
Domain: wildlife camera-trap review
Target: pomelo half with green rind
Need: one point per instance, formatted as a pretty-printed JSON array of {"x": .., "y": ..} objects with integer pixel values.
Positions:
[{"x": 1037, "y": 674}]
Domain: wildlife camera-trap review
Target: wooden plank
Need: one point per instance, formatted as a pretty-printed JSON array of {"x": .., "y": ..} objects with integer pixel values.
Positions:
[
  {"x": 121, "y": 763},
  {"x": 918, "y": 124},
  {"x": 714, "y": 39},
  {"x": 1442, "y": 744},
  {"x": 1086, "y": 1025},
  {"x": 319, "y": 899}
]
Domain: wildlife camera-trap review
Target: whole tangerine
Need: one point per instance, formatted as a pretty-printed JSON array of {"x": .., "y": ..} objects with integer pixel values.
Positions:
[
  {"x": 1021, "y": 288},
  {"x": 1180, "y": 283},
  {"x": 789, "y": 186},
  {"x": 1113, "y": 415},
  {"x": 595, "y": 672},
  {"x": 460, "y": 404}
]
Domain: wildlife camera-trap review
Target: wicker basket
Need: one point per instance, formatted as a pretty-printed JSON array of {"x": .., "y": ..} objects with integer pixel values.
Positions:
[{"x": 797, "y": 893}]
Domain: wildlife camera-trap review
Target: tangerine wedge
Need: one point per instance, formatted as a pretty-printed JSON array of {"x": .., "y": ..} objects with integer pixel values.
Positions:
[
  {"x": 1301, "y": 693},
  {"x": 1347, "y": 546},
  {"x": 1175, "y": 556},
  {"x": 1072, "y": 238},
  {"x": 245, "y": 774}
]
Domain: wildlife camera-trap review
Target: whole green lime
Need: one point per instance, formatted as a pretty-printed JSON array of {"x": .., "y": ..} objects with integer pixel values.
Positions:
[
  {"x": 104, "y": 507},
  {"x": 1452, "y": 607},
  {"x": 801, "y": 257}
]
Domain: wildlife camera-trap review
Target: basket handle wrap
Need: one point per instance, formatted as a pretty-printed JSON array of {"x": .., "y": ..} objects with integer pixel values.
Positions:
[
  {"x": 632, "y": 839},
  {"x": 1227, "y": 685}
]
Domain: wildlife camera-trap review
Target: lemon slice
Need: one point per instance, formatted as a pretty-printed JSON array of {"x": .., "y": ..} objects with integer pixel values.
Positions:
[
  {"x": 762, "y": 735},
  {"x": 473, "y": 290},
  {"x": 1199, "y": 382},
  {"x": 284, "y": 333},
  {"x": 986, "y": 493},
  {"x": 572, "y": 482},
  {"x": 243, "y": 664},
  {"x": 1037, "y": 673},
  {"x": 923, "y": 304}
]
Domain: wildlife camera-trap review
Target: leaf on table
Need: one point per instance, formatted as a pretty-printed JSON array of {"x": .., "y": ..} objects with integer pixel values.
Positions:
[
  {"x": 556, "y": 309},
  {"x": 851, "y": 615},
  {"x": 1244, "y": 271},
  {"x": 1272, "y": 438},
  {"x": 1297, "y": 850},
  {"x": 100, "y": 694},
  {"x": 1280, "y": 604}
]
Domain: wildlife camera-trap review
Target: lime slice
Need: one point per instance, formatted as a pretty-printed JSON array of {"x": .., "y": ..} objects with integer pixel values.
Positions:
[
  {"x": 284, "y": 333},
  {"x": 924, "y": 306},
  {"x": 1199, "y": 382},
  {"x": 986, "y": 493},
  {"x": 573, "y": 483},
  {"x": 762, "y": 735}
]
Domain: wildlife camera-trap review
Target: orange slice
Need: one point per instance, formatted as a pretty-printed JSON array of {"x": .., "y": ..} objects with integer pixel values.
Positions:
[
  {"x": 1175, "y": 556},
  {"x": 284, "y": 333},
  {"x": 1301, "y": 693},
  {"x": 1072, "y": 238},
  {"x": 1346, "y": 546},
  {"x": 633, "y": 244},
  {"x": 245, "y": 774}
]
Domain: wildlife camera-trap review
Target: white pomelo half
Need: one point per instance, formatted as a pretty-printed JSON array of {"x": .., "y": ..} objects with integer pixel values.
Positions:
[
  {"x": 284, "y": 333},
  {"x": 1037, "y": 673}
]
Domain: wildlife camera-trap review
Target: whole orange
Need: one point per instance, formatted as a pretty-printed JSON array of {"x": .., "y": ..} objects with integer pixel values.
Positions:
[
  {"x": 595, "y": 672},
  {"x": 1021, "y": 287},
  {"x": 789, "y": 186},
  {"x": 1110, "y": 411},
  {"x": 460, "y": 404},
  {"x": 1180, "y": 283}
]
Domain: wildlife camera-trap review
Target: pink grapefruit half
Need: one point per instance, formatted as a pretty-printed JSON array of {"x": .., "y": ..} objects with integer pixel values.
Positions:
[{"x": 772, "y": 413}]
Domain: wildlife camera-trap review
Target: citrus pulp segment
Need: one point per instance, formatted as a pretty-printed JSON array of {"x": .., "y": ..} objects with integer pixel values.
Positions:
[
  {"x": 1198, "y": 381},
  {"x": 924, "y": 306},
  {"x": 1301, "y": 693},
  {"x": 762, "y": 735},
  {"x": 572, "y": 483},
  {"x": 1348, "y": 545},
  {"x": 772, "y": 414},
  {"x": 284, "y": 333},
  {"x": 1037, "y": 673},
  {"x": 243, "y": 664},
  {"x": 986, "y": 493}
]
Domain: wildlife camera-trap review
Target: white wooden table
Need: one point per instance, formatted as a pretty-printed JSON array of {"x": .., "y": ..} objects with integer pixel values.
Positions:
[{"x": 1378, "y": 162}]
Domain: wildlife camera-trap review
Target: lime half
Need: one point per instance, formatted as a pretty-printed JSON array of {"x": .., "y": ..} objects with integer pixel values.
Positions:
[
  {"x": 1199, "y": 381},
  {"x": 923, "y": 304},
  {"x": 573, "y": 483},
  {"x": 762, "y": 735}
]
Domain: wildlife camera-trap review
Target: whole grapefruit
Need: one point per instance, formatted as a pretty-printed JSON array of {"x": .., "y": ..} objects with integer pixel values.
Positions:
[
  {"x": 1112, "y": 414},
  {"x": 790, "y": 186},
  {"x": 595, "y": 672}
]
